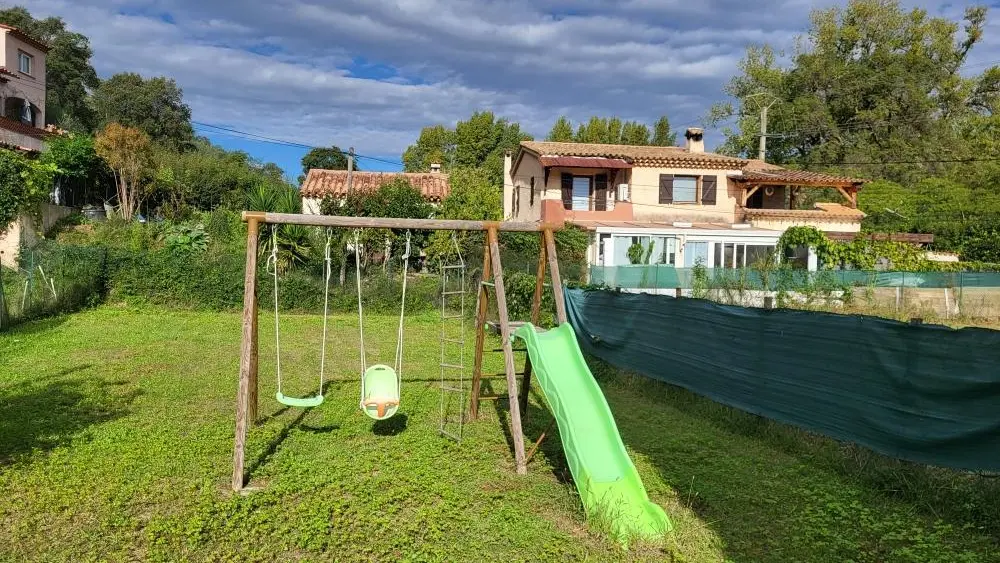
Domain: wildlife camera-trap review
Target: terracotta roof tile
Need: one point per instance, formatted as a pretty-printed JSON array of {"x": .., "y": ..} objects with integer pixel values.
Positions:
[
  {"x": 777, "y": 175},
  {"x": 25, "y": 37},
  {"x": 822, "y": 211},
  {"x": 23, "y": 128},
  {"x": 648, "y": 156},
  {"x": 321, "y": 183}
]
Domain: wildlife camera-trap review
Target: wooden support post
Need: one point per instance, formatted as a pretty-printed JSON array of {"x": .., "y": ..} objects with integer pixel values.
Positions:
[
  {"x": 536, "y": 313},
  {"x": 536, "y": 300},
  {"x": 246, "y": 352},
  {"x": 525, "y": 387},
  {"x": 482, "y": 306},
  {"x": 252, "y": 401},
  {"x": 557, "y": 288},
  {"x": 516, "y": 431},
  {"x": 540, "y": 439}
]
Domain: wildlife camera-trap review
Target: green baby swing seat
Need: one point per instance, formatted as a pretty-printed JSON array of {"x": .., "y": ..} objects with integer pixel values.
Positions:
[{"x": 380, "y": 392}]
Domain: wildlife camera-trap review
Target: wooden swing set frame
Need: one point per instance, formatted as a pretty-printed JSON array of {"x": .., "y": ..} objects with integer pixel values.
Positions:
[{"x": 492, "y": 277}]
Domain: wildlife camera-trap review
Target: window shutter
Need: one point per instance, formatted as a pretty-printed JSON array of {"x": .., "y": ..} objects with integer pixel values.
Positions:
[
  {"x": 532, "y": 191},
  {"x": 708, "y": 189},
  {"x": 666, "y": 188},
  {"x": 601, "y": 192},
  {"x": 567, "y": 190}
]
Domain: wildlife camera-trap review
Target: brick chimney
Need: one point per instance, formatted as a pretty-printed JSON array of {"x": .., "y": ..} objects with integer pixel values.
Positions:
[{"x": 695, "y": 139}]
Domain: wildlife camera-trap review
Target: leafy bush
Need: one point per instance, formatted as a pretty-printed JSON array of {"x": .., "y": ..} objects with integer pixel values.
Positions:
[
  {"x": 186, "y": 238},
  {"x": 520, "y": 292},
  {"x": 202, "y": 281},
  {"x": 983, "y": 245}
]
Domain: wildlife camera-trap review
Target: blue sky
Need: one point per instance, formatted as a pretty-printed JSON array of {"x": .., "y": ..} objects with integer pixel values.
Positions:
[{"x": 371, "y": 73}]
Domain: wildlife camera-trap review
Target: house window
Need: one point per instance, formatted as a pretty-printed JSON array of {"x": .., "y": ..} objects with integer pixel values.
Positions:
[
  {"x": 24, "y": 62},
  {"x": 664, "y": 249},
  {"x": 695, "y": 253},
  {"x": 581, "y": 193},
  {"x": 685, "y": 189},
  {"x": 741, "y": 255},
  {"x": 531, "y": 201},
  {"x": 602, "y": 248}
]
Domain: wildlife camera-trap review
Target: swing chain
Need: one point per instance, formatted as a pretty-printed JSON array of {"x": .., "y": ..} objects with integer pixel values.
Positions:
[
  {"x": 361, "y": 318},
  {"x": 402, "y": 312},
  {"x": 326, "y": 306},
  {"x": 272, "y": 268}
]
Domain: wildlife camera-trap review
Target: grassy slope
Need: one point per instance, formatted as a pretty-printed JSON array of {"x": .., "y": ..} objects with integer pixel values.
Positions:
[{"x": 116, "y": 442}]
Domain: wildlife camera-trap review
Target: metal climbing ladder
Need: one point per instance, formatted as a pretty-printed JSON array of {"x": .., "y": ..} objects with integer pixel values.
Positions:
[{"x": 452, "y": 422}]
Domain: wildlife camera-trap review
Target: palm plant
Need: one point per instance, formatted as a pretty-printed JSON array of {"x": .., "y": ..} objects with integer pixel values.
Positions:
[{"x": 295, "y": 242}]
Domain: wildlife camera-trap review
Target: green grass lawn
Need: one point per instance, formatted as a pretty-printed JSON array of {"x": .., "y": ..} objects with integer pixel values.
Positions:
[{"x": 116, "y": 432}]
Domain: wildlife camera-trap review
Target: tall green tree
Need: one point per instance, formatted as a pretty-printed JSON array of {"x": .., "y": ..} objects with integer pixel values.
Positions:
[
  {"x": 324, "y": 158},
  {"x": 473, "y": 197},
  {"x": 562, "y": 131},
  {"x": 78, "y": 166},
  {"x": 68, "y": 72},
  {"x": 663, "y": 135},
  {"x": 482, "y": 140},
  {"x": 436, "y": 145},
  {"x": 155, "y": 106},
  {"x": 634, "y": 133},
  {"x": 869, "y": 82},
  {"x": 611, "y": 130},
  {"x": 207, "y": 177},
  {"x": 477, "y": 142}
]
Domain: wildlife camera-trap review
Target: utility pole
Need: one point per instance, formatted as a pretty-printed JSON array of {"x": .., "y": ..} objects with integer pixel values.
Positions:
[
  {"x": 762, "y": 151},
  {"x": 350, "y": 170},
  {"x": 763, "y": 133}
]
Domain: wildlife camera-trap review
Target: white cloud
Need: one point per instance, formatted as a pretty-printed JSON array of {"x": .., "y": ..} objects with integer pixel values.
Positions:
[{"x": 286, "y": 68}]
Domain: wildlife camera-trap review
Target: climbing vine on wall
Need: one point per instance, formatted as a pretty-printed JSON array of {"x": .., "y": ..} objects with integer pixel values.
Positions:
[
  {"x": 860, "y": 253},
  {"x": 24, "y": 183}
]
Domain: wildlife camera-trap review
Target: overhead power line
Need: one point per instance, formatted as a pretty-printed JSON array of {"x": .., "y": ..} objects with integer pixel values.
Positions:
[{"x": 272, "y": 140}]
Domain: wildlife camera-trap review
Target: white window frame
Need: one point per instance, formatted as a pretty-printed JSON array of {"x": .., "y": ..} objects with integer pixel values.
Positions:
[
  {"x": 23, "y": 58},
  {"x": 721, "y": 252}
]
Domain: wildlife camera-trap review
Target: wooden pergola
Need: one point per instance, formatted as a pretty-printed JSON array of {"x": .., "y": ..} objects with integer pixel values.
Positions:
[
  {"x": 752, "y": 181},
  {"x": 247, "y": 394}
]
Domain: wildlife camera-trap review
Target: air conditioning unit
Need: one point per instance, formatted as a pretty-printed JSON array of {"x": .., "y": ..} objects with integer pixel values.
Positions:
[{"x": 623, "y": 192}]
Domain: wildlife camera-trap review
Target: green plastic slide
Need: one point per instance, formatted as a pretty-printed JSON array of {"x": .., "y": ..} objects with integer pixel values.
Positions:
[{"x": 609, "y": 485}]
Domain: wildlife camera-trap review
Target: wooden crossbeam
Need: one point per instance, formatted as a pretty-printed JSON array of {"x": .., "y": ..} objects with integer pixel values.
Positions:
[
  {"x": 394, "y": 223},
  {"x": 747, "y": 192},
  {"x": 851, "y": 197}
]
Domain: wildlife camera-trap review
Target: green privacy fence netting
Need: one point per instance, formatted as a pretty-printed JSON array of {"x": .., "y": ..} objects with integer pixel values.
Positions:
[
  {"x": 924, "y": 393},
  {"x": 668, "y": 277}
]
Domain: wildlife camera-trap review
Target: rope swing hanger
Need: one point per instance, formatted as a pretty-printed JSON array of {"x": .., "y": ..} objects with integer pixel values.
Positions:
[
  {"x": 380, "y": 384},
  {"x": 272, "y": 268}
]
